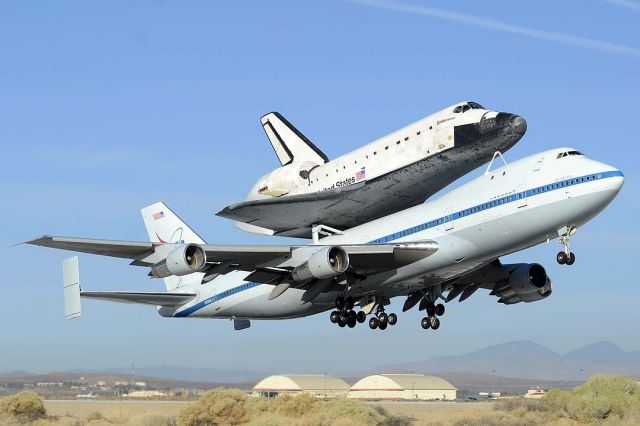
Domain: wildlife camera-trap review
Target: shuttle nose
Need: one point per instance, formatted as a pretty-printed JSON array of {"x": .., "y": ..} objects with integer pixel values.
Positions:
[{"x": 518, "y": 124}]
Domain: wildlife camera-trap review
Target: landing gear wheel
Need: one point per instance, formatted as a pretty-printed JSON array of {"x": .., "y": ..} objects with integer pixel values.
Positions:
[
  {"x": 425, "y": 323},
  {"x": 572, "y": 259},
  {"x": 351, "y": 322},
  {"x": 342, "y": 322},
  {"x": 374, "y": 323},
  {"x": 334, "y": 317},
  {"x": 562, "y": 257},
  {"x": 393, "y": 319},
  {"x": 351, "y": 316},
  {"x": 349, "y": 303},
  {"x": 435, "y": 323},
  {"x": 383, "y": 325},
  {"x": 440, "y": 309},
  {"x": 361, "y": 317},
  {"x": 431, "y": 310},
  {"x": 383, "y": 318},
  {"x": 339, "y": 303}
]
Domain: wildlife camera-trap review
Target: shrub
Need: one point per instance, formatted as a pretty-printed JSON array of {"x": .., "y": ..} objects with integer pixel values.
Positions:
[
  {"x": 96, "y": 415},
  {"x": 22, "y": 407},
  {"x": 154, "y": 420},
  {"x": 217, "y": 407},
  {"x": 347, "y": 412},
  {"x": 602, "y": 397}
]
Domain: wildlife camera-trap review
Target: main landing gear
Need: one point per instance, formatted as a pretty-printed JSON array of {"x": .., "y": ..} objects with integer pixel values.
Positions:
[
  {"x": 566, "y": 256},
  {"x": 381, "y": 320},
  {"x": 344, "y": 315},
  {"x": 431, "y": 321}
]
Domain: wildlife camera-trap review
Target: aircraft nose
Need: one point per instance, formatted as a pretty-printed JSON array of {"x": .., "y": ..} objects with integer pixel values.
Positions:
[{"x": 518, "y": 124}]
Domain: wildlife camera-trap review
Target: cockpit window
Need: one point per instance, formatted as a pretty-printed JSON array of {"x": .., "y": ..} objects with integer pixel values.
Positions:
[
  {"x": 475, "y": 105},
  {"x": 566, "y": 154},
  {"x": 466, "y": 107}
]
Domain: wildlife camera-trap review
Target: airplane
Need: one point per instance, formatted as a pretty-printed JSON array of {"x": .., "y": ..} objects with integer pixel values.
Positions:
[
  {"x": 395, "y": 172},
  {"x": 443, "y": 249}
]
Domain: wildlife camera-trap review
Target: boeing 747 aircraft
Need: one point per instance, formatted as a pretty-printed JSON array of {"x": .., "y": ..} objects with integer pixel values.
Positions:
[
  {"x": 443, "y": 249},
  {"x": 395, "y": 172}
]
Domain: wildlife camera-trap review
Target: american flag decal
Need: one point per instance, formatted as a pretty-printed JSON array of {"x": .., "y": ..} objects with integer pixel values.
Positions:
[
  {"x": 361, "y": 175},
  {"x": 158, "y": 215}
]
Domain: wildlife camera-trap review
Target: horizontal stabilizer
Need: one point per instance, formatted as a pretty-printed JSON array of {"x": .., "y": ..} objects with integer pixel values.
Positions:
[
  {"x": 288, "y": 142},
  {"x": 145, "y": 298}
]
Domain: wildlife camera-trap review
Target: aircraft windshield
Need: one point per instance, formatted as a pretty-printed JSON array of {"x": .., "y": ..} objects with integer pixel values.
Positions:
[
  {"x": 466, "y": 107},
  {"x": 568, "y": 153}
]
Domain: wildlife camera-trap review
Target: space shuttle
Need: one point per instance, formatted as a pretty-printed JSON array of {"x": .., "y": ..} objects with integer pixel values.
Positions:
[{"x": 309, "y": 193}]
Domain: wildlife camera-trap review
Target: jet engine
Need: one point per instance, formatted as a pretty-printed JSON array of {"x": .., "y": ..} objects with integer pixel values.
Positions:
[
  {"x": 528, "y": 283},
  {"x": 327, "y": 262},
  {"x": 184, "y": 260}
]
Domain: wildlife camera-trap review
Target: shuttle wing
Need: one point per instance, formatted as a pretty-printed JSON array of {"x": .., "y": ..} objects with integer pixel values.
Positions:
[{"x": 364, "y": 258}]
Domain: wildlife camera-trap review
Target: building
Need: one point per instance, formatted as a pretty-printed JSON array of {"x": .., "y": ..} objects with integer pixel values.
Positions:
[
  {"x": 403, "y": 387},
  {"x": 316, "y": 385}
]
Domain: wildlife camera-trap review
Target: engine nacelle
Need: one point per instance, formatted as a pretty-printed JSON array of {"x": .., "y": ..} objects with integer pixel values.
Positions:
[
  {"x": 328, "y": 262},
  {"x": 528, "y": 283},
  {"x": 184, "y": 260}
]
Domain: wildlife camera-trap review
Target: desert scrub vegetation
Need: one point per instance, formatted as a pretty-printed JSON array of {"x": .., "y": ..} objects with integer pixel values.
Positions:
[
  {"x": 23, "y": 407},
  {"x": 603, "y": 399},
  {"x": 233, "y": 407}
]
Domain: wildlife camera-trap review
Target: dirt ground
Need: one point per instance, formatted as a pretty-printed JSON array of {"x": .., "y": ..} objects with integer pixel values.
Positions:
[{"x": 424, "y": 413}]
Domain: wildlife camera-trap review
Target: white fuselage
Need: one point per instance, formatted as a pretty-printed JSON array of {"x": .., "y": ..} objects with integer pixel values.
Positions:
[{"x": 503, "y": 211}]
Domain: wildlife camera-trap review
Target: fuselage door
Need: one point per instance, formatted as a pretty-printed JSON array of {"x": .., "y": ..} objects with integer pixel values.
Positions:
[{"x": 521, "y": 195}]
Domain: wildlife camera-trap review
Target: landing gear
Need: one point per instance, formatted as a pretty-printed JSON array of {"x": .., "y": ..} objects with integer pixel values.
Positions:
[
  {"x": 566, "y": 257},
  {"x": 345, "y": 316},
  {"x": 393, "y": 319},
  {"x": 361, "y": 317},
  {"x": 431, "y": 321},
  {"x": 334, "y": 317}
]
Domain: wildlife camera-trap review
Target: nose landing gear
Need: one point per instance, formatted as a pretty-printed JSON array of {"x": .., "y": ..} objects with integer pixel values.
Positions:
[{"x": 566, "y": 257}]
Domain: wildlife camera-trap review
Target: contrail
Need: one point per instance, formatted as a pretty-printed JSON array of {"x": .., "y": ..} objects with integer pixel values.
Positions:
[
  {"x": 629, "y": 4},
  {"x": 490, "y": 24}
]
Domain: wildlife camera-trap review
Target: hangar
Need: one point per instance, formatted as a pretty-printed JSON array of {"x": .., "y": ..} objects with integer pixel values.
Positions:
[
  {"x": 317, "y": 385},
  {"x": 403, "y": 386}
]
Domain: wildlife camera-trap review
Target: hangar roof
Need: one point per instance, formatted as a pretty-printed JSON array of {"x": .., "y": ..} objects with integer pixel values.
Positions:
[
  {"x": 300, "y": 383},
  {"x": 402, "y": 382}
]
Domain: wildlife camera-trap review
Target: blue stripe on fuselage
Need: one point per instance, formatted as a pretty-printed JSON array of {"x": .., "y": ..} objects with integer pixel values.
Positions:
[{"x": 216, "y": 297}]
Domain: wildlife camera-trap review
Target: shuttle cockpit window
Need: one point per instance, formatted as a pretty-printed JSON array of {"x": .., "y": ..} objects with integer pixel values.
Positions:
[
  {"x": 466, "y": 107},
  {"x": 475, "y": 105}
]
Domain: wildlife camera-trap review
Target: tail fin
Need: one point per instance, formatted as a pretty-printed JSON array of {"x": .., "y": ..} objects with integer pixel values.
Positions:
[
  {"x": 287, "y": 141},
  {"x": 164, "y": 226}
]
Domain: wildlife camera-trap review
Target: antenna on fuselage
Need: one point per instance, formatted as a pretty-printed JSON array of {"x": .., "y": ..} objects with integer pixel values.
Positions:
[{"x": 495, "y": 154}]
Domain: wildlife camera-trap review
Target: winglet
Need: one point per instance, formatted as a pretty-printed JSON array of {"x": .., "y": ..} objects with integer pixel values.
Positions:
[{"x": 71, "y": 282}]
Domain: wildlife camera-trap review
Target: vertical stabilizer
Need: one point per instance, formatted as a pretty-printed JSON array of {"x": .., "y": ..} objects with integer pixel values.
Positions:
[
  {"x": 288, "y": 142},
  {"x": 164, "y": 226}
]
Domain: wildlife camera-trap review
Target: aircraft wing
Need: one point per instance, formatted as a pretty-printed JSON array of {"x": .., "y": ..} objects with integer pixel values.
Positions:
[{"x": 364, "y": 258}]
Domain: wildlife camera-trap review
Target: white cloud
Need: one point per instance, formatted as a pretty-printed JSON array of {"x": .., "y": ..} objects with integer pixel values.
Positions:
[
  {"x": 490, "y": 24},
  {"x": 629, "y": 4}
]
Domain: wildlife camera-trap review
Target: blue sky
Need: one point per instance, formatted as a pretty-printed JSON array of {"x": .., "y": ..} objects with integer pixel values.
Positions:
[{"x": 106, "y": 107}]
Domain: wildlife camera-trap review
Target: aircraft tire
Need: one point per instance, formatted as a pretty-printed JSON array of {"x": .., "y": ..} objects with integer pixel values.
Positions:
[
  {"x": 342, "y": 322},
  {"x": 435, "y": 323},
  {"x": 351, "y": 322},
  {"x": 349, "y": 303},
  {"x": 383, "y": 326},
  {"x": 425, "y": 323},
  {"x": 374, "y": 323},
  {"x": 431, "y": 310},
  {"x": 361, "y": 317},
  {"x": 393, "y": 319},
  {"x": 561, "y": 257},
  {"x": 440, "y": 309},
  {"x": 351, "y": 315},
  {"x": 334, "y": 317},
  {"x": 571, "y": 260},
  {"x": 339, "y": 303},
  {"x": 383, "y": 318}
]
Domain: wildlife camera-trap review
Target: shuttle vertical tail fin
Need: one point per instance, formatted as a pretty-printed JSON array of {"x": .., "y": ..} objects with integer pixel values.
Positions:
[
  {"x": 164, "y": 226},
  {"x": 288, "y": 142}
]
